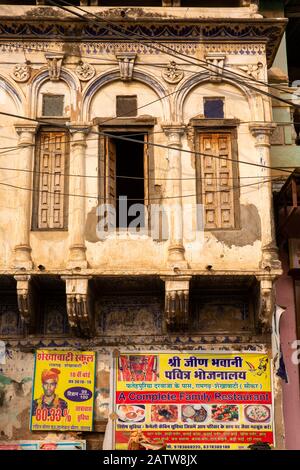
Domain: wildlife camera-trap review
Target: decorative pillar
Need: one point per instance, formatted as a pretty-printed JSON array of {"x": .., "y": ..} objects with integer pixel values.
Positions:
[
  {"x": 262, "y": 133},
  {"x": 176, "y": 258},
  {"x": 77, "y": 185},
  {"x": 26, "y": 132}
]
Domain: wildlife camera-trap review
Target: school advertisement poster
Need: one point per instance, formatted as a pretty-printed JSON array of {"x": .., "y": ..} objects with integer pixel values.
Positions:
[
  {"x": 192, "y": 401},
  {"x": 63, "y": 391}
]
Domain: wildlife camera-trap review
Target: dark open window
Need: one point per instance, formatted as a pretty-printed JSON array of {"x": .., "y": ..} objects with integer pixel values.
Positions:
[{"x": 124, "y": 176}]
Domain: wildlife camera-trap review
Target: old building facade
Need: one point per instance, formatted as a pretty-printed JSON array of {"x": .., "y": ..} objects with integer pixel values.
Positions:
[{"x": 166, "y": 106}]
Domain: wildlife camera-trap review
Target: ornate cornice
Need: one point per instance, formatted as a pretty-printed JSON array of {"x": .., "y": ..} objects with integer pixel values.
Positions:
[{"x": 261, "y": 30}]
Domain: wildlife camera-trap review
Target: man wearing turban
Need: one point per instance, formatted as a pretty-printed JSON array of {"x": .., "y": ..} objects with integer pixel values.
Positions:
[{"x": 49, "y": 400}]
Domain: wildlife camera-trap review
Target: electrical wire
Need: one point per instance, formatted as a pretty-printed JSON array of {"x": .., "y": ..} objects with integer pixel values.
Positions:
[
  {"x": 128, "y": 139},
  {"x": 172, "y": 53},
  {"x": 161, "y": 198}
]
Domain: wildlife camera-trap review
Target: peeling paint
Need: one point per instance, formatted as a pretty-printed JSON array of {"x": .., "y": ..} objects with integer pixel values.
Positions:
[{"x": 250, "y": 230}]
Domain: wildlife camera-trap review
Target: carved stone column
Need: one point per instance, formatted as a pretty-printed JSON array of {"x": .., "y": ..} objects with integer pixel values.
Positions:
[
  {"x": 176, "y": 258},
  {"x": 79, "y": 305},
  {"x": 26, "y": 143},
  {"x": 77, "y": 185},
  {"x": 176, "y": 302},
  {"x": 262, "y": 133}
]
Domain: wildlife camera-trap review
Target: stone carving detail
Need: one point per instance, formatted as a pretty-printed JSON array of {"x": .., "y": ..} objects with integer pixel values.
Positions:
[
  {"x": 85, "y": 71},
  {"x": 54, "y": 61},
  {"x": 176, "y": 303},
  {"x": 25, "y": 299},
  {"x": 126, "y": 64},
  {"x": 79, "y": 306},
  {"x": 266, "y": 309},
  {"x": 255, "y": 71},
  {"x": 172, "y": 74},
  {"x": 21, "y": 72},
  {"x": 215, "y": 64}
]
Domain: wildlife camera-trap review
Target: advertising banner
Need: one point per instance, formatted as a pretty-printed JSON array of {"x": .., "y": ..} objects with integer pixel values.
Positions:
[
  {"x": 192, "y": 401},
  {"x": 63, "y": 391},
  {"x": 44, "y": 445}
]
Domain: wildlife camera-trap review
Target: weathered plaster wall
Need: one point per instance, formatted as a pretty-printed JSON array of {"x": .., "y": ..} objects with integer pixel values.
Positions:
[{"x": 87, "y": 101}]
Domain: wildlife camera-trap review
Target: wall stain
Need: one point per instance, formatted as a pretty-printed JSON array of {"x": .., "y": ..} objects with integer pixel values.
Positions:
[
  {"x": 90, "y": 233},
  {"x": 249, "y": 232}
]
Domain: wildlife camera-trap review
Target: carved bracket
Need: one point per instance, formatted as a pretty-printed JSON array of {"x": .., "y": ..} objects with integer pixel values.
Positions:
[
  {"x": 270, "y": 259},
  {"x": 79, "y": 305},
  {"x": 126, "y": 64},
  {"x": 177, "y": 302},
  {"x": 54, "y": 61},
  {"x": 25, "y": 296},
  {"x": 215, "y": 64},
  {"x": 266, "y": 306}
]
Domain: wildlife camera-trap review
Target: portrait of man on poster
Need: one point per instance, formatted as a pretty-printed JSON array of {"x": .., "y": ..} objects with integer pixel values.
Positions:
[{"x": 49, "y": 400}]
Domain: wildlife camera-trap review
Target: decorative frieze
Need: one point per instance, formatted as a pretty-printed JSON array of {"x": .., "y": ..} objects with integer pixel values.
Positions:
[{"x": 176, "y": 30}]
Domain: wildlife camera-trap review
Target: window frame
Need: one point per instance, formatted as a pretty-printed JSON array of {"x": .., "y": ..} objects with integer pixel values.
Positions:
[
  {"x": 126, "y": 126},
  {"x": 219, "y": 126},
  {"x": 36, "y": 182}
]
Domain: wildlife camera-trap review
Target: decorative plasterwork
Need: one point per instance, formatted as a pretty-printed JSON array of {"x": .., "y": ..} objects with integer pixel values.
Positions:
[
  {"x": 176, "y": 302},
  {"x": 85, "y": 71},
  {"x": 21, "y": 72},
  {"x": 126, "y": 64},
  {"x": 54, "y": 61},
  {"x": 255, "y": 71},
  {"x": 25, "y": 299},
  {"x": 79, "y": 305},
  {"x": 172, "y": 74},
  {"x": 215, "y": 64},
  {"x": 265, "y": 30},
  {"x": 267, "y": 306}
]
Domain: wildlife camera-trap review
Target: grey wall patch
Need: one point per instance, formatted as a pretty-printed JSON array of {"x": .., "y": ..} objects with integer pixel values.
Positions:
[
  {"x": 249, "y": 232},
  {"x": 90, "y": 226}
]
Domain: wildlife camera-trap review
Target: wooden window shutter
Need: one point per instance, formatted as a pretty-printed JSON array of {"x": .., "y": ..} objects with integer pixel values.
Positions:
[
  {"x": 216, "y": 180},
  {"x": 110, "y": 171},
  {"x": 51, "y": 177}
]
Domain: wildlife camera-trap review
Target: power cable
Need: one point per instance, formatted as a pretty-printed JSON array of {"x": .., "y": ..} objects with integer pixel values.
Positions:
[{"x": 172, "y": 53}]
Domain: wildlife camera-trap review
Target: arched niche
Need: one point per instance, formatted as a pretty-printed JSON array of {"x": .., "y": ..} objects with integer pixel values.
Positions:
[
  {"x": 100, "y": 95},
  {"x": 68, "y": 85},
  {"x": 240, "y": 102}
]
